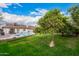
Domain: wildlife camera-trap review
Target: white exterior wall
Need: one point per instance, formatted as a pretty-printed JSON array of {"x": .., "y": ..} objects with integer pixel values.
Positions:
[
  {"x": 6, "y": 30},
  {"x": 28, "y": 30},
  {"x": 21, "y": 30},
  {"x": 2, "y": 26},
  {"x": 16, "y": 30}
]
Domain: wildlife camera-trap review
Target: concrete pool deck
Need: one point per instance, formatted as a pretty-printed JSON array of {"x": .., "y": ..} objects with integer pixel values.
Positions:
[
  {"x": 18, "y": 35},
  {"x": 8, "y": 36}
]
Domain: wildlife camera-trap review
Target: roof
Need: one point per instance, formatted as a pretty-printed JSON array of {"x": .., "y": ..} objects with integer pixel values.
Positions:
[{"x": 19, "y": 27}]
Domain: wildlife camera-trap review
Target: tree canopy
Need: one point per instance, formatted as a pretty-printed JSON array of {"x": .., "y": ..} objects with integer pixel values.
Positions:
[
  {"x": 52, "y": 21},
  {"x": 74, "y": 12},
  {"x": 55, "y": 21}
]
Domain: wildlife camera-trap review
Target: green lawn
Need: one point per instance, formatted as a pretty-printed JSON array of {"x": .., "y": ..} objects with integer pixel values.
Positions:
[{"x": 38, "y": 45}]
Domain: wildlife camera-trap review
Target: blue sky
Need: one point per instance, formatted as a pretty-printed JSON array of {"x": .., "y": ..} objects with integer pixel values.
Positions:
[
  {"x": 29, "y": 13},
  {"x": 26, "y": 8}
]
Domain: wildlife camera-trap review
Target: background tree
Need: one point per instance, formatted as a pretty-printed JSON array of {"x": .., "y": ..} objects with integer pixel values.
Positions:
[{"x": 74, "y": 14}]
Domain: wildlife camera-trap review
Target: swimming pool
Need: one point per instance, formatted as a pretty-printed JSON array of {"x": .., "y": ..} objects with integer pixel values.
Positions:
[{"x": 24, "y": 33}]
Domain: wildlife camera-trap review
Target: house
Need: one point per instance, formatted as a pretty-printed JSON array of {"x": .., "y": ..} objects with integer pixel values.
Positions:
[
  {"x": 15, "y": 28},
  {"x": 2, "y": 24}
]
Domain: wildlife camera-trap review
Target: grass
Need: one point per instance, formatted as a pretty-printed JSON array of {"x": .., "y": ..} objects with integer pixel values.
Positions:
[{"x": 38, "y": 45}]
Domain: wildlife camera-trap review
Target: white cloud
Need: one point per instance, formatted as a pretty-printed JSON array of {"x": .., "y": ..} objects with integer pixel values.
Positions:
[
  {"x": 6, "y": 5},
  {"x": 38, "y": 12},
  {"x": 12, "y": 17},
  {"x": 19, "y": 5},
  {"x": 3, "y": 5},
  {"x": 26, "y": 20}
]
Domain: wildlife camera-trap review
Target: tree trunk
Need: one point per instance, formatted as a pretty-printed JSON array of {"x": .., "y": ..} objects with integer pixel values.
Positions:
[{"x": 52, "y": 44}]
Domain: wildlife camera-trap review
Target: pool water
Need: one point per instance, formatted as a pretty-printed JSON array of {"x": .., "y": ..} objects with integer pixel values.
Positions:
[{"x": 24, "y": 33}]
